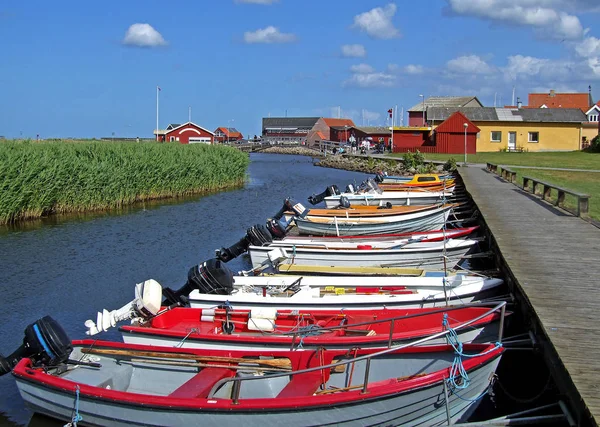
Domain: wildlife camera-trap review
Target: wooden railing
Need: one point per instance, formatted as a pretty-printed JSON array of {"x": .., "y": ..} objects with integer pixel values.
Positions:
[
  {"x": 506, "y": 173},
  {"x": 583, "y": 200},
  {"x": 532, "y": 184}
]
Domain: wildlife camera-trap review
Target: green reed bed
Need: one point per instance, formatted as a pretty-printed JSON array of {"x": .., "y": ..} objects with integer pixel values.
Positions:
[{"x": 40, "y": 178}]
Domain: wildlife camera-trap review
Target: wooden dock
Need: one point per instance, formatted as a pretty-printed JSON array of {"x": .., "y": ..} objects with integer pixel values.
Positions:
[{"x": 552, "y": 259}]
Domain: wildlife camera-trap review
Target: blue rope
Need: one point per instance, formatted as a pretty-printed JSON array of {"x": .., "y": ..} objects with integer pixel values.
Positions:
[
  {"x": 76, "y": 416},
  {"x": 459, "y": 379}
]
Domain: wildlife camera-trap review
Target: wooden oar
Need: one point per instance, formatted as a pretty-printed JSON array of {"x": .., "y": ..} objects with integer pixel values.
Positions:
[
  {"x": 283, "y": 363},
  {"x": 210, "y": 365}
]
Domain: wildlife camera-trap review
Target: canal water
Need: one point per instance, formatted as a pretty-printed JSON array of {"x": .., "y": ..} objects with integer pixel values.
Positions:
[{"x": 71, "y": 267}]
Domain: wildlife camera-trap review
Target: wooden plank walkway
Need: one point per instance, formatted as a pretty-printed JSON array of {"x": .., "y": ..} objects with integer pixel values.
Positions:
[{"x": 555, "y": 260}]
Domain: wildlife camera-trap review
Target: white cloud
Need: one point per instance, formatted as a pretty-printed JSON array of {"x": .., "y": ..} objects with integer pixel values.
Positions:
[
  {"x": 354, "y": 51},
  {"x": 469, "y": 64},
  {"x": 377, "y": 22},
  {"x": 370, "y": 80},
  {"x": 266, "y": 2},
  {"x": 269, "y": 34},
  {"x": 143, "y": 35},
  {"x": 362, "y": 69},
  {"x": 589, "y": 47},
  {"x": 413, "y": 69},
  {"x": 534, "y": 13}
]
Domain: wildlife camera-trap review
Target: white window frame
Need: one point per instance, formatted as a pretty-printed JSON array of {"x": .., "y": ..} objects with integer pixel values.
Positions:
[
  {"x": 593, "y": 117},
  {"x": 492, "y": 136},
  {"x": 529, "y": 137}
]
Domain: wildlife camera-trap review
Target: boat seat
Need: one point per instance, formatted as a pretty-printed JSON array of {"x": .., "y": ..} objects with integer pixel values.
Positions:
[
  {"x": 199, "y": 385},
  {"x": 302, "y": 385}
]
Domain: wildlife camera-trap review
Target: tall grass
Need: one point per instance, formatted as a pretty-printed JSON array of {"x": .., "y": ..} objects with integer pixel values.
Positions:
[{"x": 40, "y": 178}]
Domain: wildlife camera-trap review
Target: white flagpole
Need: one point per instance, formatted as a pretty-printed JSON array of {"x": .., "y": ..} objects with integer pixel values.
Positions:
[
  {"x": 392, "y": 142},
  {"x": 157, "y": 112}
]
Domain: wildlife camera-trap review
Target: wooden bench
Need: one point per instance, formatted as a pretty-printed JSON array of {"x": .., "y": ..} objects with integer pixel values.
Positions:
[
  {"x": 582, "y": 199},
  {"x": 492, "y": 167},
  {"x": 200, "y": 384},
  {"x": 508, "y": 174}
]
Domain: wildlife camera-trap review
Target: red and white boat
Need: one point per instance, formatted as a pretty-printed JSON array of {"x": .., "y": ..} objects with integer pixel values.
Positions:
[
  {"x": 104, "y": 383},
  {"x": 260, "y": 329},
  {"x": 379, "y": 241}
]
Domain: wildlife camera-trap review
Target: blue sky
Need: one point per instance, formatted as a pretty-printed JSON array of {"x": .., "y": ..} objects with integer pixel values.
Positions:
[{"x": 88, "y": 69}]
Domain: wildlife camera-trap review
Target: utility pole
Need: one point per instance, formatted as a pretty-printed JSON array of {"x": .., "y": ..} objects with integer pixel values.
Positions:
[{"x": 190, "y": 114}]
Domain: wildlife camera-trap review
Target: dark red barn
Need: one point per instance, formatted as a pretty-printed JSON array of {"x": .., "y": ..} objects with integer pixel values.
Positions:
[{"x": 450, "y": 136}]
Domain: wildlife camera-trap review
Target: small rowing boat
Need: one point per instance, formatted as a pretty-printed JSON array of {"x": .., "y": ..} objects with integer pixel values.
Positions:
[
  {"x": 104, "y": 383},
  {"x": 260, "y": 329}
]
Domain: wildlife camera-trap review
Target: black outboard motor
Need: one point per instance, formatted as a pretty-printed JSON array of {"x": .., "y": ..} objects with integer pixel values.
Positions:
[
  {"x": 344, "y": 202},
  {"x": 379, "y": 177},
  {"x": 257, "y": 235},
  {"x": 210, "y": 277},
  {"x": 332, "y": 190},
  {"x": 45, "y": 341}
]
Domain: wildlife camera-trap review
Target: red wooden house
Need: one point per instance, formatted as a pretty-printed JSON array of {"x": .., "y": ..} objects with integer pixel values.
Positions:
[
  {"x": 227, "y": 135},
  {"x": 187, "y": 133}
]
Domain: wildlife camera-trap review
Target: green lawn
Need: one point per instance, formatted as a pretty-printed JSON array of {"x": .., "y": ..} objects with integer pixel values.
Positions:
[
  {"x": 571, "y": 159},
  {"x": 581, "y": 182}
]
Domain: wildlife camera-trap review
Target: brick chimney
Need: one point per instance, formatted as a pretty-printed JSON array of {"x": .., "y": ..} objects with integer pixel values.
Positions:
[{"x": 552, "y": 93}]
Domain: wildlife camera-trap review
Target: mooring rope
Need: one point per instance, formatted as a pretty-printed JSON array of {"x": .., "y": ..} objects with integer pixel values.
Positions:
[
  {"x": 76, "y": 416},
  {"x": 459, "y": 378}
]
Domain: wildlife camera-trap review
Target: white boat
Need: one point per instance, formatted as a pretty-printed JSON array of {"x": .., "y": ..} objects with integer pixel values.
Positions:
[
  {"x": 373, "y": 241},
  {"x": 396, "y": 198},
  {"x": 428, "y": 255},
  {"x": 308, "y": 298},
  {"x": 427, "y": 220}
]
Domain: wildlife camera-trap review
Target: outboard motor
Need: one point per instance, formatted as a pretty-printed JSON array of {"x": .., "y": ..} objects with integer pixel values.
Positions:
[
  {"x": 332, "y": 190},
  {"x": 379, "y": 177},
  {"x": 344, "y": 202},
  {"x": 349, "y": 188},
  {"x": 257, "y": 235},
  {"x": 370, "y": 184},
  {"x": 45, "y": 342},
  {"x": 210, "y": 277}
]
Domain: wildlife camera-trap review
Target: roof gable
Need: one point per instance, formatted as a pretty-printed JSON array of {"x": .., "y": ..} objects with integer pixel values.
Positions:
[
  {"x": 594, "y": 107},
  {"x": 173, "y": 126},
  {"x": 189, "y": 124},
  {"x": 446, "y": 101},
  {"x": 456, "y": 124}
]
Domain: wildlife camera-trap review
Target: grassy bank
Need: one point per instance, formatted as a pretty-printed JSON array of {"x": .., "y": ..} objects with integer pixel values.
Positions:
[
  {"x": 580, "y": 182},
  {"x": 571, "y": 159},
  {"x": 40, "y": 178}
]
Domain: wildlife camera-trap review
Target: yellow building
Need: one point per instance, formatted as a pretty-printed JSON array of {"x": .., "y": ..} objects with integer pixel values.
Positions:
[{"x": 524, "y": 129}]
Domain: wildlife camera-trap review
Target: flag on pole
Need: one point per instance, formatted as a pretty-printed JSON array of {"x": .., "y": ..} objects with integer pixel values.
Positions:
[{"x": 391, "y": 112}]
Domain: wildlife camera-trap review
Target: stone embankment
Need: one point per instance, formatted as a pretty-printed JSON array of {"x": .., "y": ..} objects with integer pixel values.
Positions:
[
  {"x": 360, "y": 164},
  {"x": 297, "y": 150}
]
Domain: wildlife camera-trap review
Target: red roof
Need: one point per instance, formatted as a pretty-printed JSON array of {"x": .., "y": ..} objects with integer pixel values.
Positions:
[
  {"x": 456, "y": 124},
  {"x": 338, "y": 122},
  {"x": 229, "y": 134},
  {"x": 560, "y": 100}
]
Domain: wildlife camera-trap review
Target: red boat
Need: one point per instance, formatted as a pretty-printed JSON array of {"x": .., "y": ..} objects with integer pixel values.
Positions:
[{"x": 268, "y": 328}]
